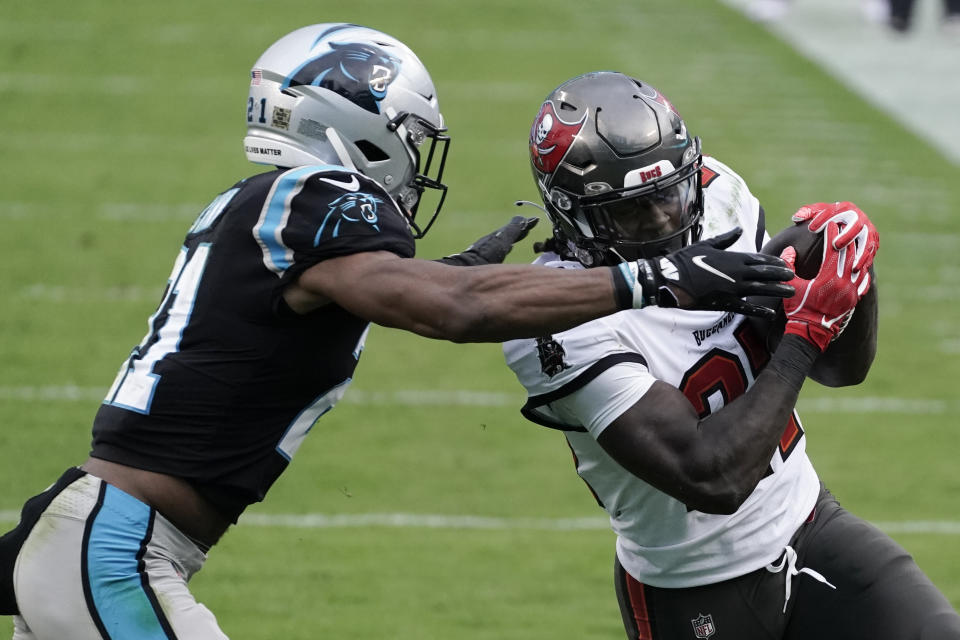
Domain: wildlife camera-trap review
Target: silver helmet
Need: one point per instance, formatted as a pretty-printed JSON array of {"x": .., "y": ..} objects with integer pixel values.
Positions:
[
  {"x": 617, "y": 170},
  {"x": 347, "y": 95}
]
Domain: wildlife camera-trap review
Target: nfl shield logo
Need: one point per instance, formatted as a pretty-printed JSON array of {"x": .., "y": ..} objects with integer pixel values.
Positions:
[{"x": 703, "y": 626}]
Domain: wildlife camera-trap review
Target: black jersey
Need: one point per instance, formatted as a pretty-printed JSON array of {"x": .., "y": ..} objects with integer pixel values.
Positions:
[{"x": 228, "y": 381}]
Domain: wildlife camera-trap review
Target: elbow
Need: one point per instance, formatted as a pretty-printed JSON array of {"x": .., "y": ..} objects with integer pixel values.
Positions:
[
  {"x": 835, "y": 379},
  {"x": 715, "y": 488},
  {"x": 726, "y": 503},
  {"x": 844, "y": 372},
  {"x": 463, "y": 323},
  {"x": 717, "y": 500}
]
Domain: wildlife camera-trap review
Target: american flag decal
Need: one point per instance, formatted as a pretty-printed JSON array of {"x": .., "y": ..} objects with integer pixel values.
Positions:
[{"x": 255, "y": 77}]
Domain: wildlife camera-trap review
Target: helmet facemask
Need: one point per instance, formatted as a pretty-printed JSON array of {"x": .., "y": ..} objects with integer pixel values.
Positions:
[{"x": 428, "y": 174}]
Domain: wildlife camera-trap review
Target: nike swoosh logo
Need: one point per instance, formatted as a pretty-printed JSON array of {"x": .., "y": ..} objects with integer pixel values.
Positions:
[
  {"x": 699, "y": 261},
  {"x": 353, "y": 185},
  {"x": 829, "y": 323}
]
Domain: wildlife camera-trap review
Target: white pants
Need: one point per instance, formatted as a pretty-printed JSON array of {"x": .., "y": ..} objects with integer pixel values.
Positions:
[{"x": 101, "y": 565}]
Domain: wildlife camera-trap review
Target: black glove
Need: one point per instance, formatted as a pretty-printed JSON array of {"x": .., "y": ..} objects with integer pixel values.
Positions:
[
  {"x": 493, "y": 247},
  {"x": 708, "y": 278}
]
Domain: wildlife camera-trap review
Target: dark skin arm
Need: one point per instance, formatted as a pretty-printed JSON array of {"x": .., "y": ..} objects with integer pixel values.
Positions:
[
  {"x": 490, "y": 303},
  {"x": 711, "y": 464},
  {"x": 494, "y": 303},
  {"x": 848, "y": 359}
]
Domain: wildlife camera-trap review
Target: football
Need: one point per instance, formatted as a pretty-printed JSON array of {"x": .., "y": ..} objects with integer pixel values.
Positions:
[
  {"x": 809, "y": 248},
  {"x": 849, "y": 357}
]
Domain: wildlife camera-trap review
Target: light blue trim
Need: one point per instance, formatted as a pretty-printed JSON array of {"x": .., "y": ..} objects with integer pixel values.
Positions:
[
  {"x": 209, "y": 215},
  {"x": 275, "y": 216},
  {"x": 275, "y": 212},
  {"x": 347, "y": 73},
  {"x": 304, "y": 421},
  {"x": 116, "y": 536},
  {"x": 316, "y": 81},
  {"x": 170, "y": 301},
  {"x": 628, "y": 276}
]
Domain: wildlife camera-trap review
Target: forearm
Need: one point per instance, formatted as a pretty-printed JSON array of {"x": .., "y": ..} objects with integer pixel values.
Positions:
[
  {"x": 738, "y": 441},
  {"x": 489, "y": 303},
  {"x": 520, "y": 301}
]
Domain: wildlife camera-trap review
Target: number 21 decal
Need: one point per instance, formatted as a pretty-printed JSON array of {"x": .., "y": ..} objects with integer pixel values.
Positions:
[{"x": 257, "y": 105}]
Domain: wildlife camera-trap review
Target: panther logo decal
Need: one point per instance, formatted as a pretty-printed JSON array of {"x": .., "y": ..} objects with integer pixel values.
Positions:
[
  {"x": 359, "y": 72},
  {"x": 350, "y": 208}
]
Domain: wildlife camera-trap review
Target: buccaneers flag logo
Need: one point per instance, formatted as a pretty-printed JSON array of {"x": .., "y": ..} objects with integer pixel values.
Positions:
[{"x": 551, "y": 137}]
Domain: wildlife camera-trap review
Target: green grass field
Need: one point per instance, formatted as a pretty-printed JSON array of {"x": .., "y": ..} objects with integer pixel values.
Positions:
[{"x": 120, "y": 121}]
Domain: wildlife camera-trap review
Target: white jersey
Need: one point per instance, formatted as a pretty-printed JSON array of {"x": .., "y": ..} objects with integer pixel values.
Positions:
[{"x": 580, "y": 380}]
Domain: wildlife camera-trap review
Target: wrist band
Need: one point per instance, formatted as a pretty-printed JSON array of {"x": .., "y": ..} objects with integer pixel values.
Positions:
[
  {"x": 635, "y": 284},
  {"x": 624, "y": 281},
  {"x": 647, "y": 281}
]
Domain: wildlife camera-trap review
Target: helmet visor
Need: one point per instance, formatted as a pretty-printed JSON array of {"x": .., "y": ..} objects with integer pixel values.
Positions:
[
  {"x": 649, "y": 220},
  {"x": 648, "y": 216}
]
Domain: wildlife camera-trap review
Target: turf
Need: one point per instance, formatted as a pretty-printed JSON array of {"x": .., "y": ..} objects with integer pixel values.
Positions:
[{"x": 122, "y": 120}]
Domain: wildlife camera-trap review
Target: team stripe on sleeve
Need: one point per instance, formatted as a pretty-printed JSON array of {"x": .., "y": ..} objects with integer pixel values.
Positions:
[
  {"x": 274, "y": 216},
  {"x": 268, "y": 232}
]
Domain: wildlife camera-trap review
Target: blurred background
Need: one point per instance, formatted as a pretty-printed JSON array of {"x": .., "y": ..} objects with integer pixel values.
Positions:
[{"x": 424, "y": 506}]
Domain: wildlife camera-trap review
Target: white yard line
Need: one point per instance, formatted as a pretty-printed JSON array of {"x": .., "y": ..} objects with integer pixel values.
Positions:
[
  {"x": 468, "y": 522},
  {"x": 472, "y": 398}
]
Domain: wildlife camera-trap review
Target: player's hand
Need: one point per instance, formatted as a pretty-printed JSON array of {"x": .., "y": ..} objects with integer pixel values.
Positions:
[
  {"x": 821, "y": 307},
  {"x": 493, "y": 247},
  {"x": 855, "y": 227},
  {"x": 704, "y": 276}
]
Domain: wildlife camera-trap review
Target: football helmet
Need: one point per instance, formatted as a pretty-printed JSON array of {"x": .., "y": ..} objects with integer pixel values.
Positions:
[
  {"x": 343, "y": 94},
  {"x": 617, "y": 170}
]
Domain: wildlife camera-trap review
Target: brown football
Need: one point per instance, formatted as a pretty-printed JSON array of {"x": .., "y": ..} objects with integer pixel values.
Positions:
[
  {"x": 847, "y": 359},
  {"x": 809, "y": 248}
]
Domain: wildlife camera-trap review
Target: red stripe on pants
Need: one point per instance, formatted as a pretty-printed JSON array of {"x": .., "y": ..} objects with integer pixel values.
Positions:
[{"x": 638, "y": 603}]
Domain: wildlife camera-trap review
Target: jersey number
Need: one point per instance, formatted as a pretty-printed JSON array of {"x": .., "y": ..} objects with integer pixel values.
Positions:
[
  {"x": 718, "y": 378},
  {"x": 136, "y": 382}
]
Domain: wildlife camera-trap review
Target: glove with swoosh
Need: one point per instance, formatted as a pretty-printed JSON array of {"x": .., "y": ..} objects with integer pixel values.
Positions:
[
  {"x": 821, "y": 307},
  {"x": 856, "y": 228},
  {"x": 704, "y": 276},
  {"x": 493, "y": 247}
]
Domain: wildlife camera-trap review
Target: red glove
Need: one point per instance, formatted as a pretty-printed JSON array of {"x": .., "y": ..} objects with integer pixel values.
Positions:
[
  {"x": 855, "y": 225},
  {"x": 821, "y": 308}
]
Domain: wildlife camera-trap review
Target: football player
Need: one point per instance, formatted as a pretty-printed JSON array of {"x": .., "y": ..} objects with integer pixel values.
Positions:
[
  {"x": 681, "y": 422},
  {"x": 262, "y": 323}
]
